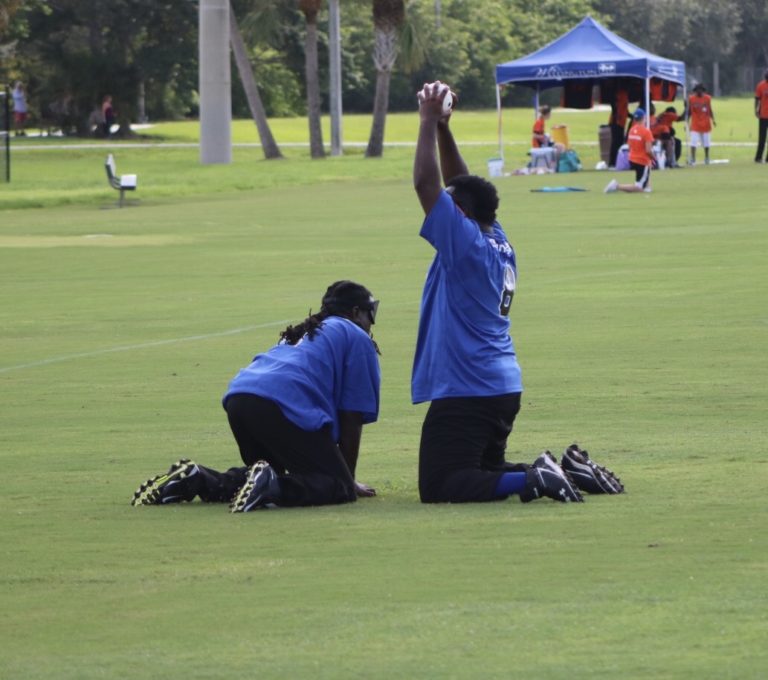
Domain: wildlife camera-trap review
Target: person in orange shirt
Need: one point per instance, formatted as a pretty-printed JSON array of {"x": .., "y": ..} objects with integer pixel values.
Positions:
[
  {"x": 540, "y": 137},
  {"x": 702, "y": 118},
  {"x": 761, "y": 111},
  {"x": 541, "y": 140},
  {"x": 664, "y": 132},
  {"x": 640, "y": 142}
]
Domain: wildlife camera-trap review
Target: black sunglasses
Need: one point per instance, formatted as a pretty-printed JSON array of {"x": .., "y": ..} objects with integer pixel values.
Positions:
[{"x": 374, "y": 308}]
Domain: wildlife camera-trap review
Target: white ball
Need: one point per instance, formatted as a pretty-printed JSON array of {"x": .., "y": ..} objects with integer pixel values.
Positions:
[{"x": 448, "y": 102}]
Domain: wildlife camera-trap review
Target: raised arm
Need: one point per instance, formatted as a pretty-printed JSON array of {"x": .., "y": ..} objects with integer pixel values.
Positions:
[
  {"x": 451, "y": 162},
  {"x": 433, "y": 131}
]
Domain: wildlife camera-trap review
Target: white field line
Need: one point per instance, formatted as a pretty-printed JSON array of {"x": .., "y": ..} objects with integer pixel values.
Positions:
[{"x": 142, "y": 345}]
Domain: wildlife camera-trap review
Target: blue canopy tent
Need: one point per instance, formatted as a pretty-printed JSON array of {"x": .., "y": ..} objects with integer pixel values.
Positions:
[{"x": 587, "y": 52}]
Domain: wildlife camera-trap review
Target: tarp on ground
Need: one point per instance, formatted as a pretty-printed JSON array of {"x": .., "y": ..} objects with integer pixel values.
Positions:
[{"x": 587, "y": 51}]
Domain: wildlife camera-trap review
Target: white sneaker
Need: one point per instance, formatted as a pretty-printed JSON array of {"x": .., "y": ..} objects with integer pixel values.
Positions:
[
  {"x": 647, "y": 190},
  {"x": 611, "y": 186}
]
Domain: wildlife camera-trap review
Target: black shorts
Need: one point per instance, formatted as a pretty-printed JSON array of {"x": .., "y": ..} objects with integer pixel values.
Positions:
[
  {"x": 642, "y": 174},
  {"x": 463, "y": 440}
]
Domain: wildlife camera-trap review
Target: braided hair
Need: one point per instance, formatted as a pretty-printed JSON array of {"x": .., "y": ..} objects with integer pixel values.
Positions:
[{"x": 339, "y": 300}]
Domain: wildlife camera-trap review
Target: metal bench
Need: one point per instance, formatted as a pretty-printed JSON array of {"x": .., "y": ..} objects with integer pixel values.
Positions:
[{"x": 121, "y": 183}]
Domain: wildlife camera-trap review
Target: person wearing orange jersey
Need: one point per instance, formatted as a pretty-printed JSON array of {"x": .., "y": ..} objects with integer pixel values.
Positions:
[
  {"x": 640, "y": 141},
  {"x": 664, "y": 132},
  {"x": 541, "y": 140},
  {"x": 761, "y": 111},
  {"x": 540, "y": 137},
  {"x": 702, "y": 118}
]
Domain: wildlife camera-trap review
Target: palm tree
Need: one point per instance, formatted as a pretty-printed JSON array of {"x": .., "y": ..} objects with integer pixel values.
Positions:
[
  {"x": 388, "y": 17},
  {"x": 268, "y": 143},
  {"x": 334, "y": 68},
  {"x": 310, "y": 9}
]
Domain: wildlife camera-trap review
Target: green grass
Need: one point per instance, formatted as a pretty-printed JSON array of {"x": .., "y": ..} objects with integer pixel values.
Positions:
[
  {"x": 641, "y": 327},
  {"x": 45, "y": 175},
  {"x": 734, "y": 115},
  {"x": 735, "y": 124}
]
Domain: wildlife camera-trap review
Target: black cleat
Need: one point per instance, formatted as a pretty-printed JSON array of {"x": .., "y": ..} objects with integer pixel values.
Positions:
[
  {"x": 588, "y": 475},
  {"x": 546, "y": 478},
  {"x": 259, "y": 490},
  {"x": 171, "y": 487}
]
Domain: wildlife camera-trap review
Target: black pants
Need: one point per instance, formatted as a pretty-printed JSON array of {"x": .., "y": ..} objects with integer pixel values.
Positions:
[
  {"x": 762, "y": 130},
  {"x": 213, "y": 486},
  {"x": 617, "y": 139},
  {"x": 310, "y": 466},
  {"x": 463, "y": 440}
]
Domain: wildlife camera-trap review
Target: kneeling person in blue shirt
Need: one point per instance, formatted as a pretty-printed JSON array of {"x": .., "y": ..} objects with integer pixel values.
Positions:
[
  {"x": 296, "y": 413},
  {"x": 465, "y": 362}
]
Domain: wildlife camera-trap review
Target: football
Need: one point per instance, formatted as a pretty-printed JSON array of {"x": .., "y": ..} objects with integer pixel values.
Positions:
[{"x": 448, "y": 102}]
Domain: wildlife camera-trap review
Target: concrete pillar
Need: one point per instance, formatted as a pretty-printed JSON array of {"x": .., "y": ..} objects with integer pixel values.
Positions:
[{"x": 215, "y": 83}]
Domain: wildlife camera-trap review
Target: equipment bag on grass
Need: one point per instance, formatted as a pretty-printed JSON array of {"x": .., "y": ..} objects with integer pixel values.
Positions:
[{"x": 569, "y": 162}]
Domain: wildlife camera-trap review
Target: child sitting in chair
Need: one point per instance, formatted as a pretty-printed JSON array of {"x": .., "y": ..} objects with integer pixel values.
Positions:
[{"x": 548, "y": 150}]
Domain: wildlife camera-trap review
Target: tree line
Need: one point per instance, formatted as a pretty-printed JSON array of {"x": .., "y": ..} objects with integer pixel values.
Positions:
[{"x": 70, "y": 53}]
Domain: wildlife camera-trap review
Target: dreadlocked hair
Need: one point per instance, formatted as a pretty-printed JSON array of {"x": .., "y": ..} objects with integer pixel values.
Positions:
[
  {"x": 308, "y": 327},
  {"x": 339, "y": 300}
]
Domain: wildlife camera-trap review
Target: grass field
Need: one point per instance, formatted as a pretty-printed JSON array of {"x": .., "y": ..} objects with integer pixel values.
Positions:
[
  {"x": 641, "y": 326},
  {"x": 50, "y": 171}
]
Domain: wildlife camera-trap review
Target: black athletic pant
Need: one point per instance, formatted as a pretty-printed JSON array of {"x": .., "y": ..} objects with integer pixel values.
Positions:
[
  {"x": 762, "y": 130},
  {"x": 617, "y": 139},
  {"x": 213, "y": 486},
  {"x": 463, "y": 440},
  {"x": 310, "y": 466}
]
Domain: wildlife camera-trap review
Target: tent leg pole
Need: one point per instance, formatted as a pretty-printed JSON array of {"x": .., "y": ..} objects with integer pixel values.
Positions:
[
  {"x": 648, "y": 101},
  {"x": 686, "y": 114},
  {"x": 498, "y": 114}
]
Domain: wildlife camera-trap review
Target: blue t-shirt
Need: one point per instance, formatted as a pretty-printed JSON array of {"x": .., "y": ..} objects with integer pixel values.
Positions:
[
  {"x": 311, "y": 381},
  {"x": 463, "y": 347}
]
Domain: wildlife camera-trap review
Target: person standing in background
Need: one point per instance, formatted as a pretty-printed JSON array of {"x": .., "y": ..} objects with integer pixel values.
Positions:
[
  {"x": 761, "y": 111},
  {"x": 107, "y": 115},
  {"x": 20, "y": 110},
  {"x": 702, "y": 118},
  {"x": 618, "y": 123}
]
